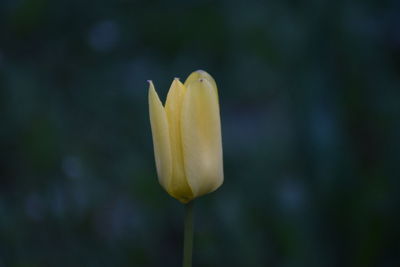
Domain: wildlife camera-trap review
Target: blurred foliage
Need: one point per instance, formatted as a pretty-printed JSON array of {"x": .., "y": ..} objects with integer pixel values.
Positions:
[{"x": 310, "y": 110}]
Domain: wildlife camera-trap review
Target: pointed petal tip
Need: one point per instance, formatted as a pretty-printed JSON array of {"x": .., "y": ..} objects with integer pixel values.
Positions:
[
  {"x": 176, "y": 80},
  {"x": 152, "y": 89},
  {"x": 153, "y": 93}
]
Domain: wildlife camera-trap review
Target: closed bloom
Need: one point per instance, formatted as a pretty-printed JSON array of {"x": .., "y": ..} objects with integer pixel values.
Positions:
[{"x": 187, "y": 137}]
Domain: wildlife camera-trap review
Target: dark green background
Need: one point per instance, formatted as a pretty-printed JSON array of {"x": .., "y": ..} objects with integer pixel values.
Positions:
[{"x": 310, "y": 106}]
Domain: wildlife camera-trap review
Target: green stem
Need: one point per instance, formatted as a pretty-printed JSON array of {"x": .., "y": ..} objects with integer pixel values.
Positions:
[{"x": 188, "y": 235}]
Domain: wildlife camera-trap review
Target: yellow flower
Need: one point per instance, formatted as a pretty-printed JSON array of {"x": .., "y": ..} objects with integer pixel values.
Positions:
[{"x": 187, "y": 137}]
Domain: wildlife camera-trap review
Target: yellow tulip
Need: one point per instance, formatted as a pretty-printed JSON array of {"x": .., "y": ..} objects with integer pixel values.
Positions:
[{"x": 187, "y": 137}]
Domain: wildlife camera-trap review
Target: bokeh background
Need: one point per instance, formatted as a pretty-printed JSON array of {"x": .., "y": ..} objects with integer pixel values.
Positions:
[{"x": 310, "y": 106}]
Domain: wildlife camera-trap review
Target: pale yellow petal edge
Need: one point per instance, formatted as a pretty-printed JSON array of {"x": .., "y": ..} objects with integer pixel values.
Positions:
[{"x": 161, "y": 139}]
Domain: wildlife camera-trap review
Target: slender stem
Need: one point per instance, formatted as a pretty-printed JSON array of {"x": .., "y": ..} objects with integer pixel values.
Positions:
[{"x": 188, "y": 235}]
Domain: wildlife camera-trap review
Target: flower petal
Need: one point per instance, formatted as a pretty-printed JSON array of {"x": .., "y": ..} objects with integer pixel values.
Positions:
[
  {"x": 178, "y": 187},
  {"x": 201, "y": 136},
  {"x": 161, "y": 140},
  {"x": 200, "y": 74}
]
